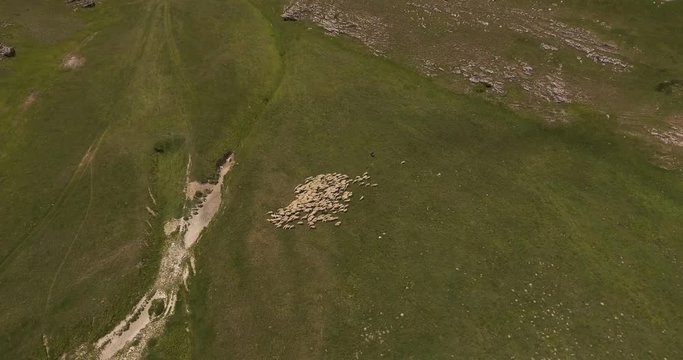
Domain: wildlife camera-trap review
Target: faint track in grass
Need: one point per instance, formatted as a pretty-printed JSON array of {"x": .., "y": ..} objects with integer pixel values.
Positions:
[
  {"x": 50, "y": 215},
  {"x": 71, "y": 245}
]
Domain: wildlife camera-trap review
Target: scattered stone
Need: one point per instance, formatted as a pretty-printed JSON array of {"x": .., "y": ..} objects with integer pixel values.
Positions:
[
  {"x": 81, "y": 3},
  {"x": 545, "y": 46},
  {"x": 370, "y": 30},
  {"x": 672, "y": 136},
  {"x": 7, "y": 51},
  {"x": 150, "y": 211}
]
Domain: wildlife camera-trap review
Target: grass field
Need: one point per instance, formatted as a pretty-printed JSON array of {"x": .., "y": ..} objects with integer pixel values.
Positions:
[
  {"x": 79, "y": 248},
  {"x": 499, "y": 236}
]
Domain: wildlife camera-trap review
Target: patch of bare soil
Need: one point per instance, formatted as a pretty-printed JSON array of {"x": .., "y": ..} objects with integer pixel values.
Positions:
[
  {"x": 129, "y": 338},
  {"x": 29, "y": 101},
  {"x": 90, "y": 153},
  {"x": 172, "y": 226},
  {"x": 203, "y": 213},
  {"x": 73, "y": 62}
]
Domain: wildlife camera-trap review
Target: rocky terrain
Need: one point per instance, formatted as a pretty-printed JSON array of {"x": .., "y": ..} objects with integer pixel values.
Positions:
[
  {"x": 671, "y": 136},
  {"x": 6, "y": 51},
  {"x": 370, "y": 30},
  {"x": 129, "y": 338},
  {"x": 81, "y": 3},
  {"x": 474, "y": 46},
  {"x": 455, "y": 54}
]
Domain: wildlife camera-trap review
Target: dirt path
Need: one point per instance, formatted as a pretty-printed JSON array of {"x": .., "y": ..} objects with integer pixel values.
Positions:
[{"x": 129, "y": 338}]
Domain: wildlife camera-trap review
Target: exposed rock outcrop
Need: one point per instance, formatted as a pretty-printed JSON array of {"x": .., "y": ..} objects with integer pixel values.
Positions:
[
  {"x": 370, "y": 30},
  {"x": 6, "y": 51},
  {"x": 81, "y": 3}
]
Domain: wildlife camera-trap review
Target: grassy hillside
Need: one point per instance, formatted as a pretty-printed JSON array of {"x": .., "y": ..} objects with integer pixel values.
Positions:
[
  {"x": 498, "y": 237},
  {"x": 78, "y": 163},
  {"x": 491, "y": 234}
]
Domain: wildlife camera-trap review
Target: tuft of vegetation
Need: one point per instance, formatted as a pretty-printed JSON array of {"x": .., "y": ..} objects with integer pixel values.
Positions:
[
  {"x": 157, "y": 307},
  {"x": 169, "y": 144},
  {"x": 668, "y": 87}
]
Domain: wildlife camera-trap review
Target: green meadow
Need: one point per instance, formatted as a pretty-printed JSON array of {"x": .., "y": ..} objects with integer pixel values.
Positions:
[{"x": 491, "y": 234}]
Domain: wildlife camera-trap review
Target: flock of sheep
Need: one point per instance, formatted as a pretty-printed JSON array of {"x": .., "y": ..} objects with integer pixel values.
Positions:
[{"x": 319, "y": 198}]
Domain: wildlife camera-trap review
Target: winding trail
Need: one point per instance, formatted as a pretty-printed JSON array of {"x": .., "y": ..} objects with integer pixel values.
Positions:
[{"x": 129, "y": 338}]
